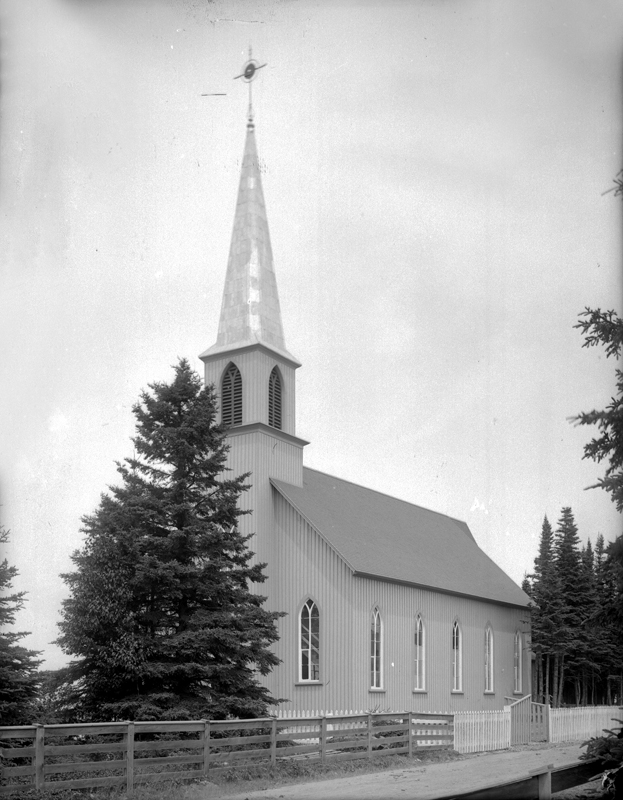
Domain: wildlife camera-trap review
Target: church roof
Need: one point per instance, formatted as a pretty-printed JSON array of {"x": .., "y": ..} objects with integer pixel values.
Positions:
[
  {"x": 250, "y": 311},
  {"x": 382, "y": 537}
]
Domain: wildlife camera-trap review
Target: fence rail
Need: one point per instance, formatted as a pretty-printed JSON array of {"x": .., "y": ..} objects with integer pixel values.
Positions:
[{"x": 126, "y": 754}]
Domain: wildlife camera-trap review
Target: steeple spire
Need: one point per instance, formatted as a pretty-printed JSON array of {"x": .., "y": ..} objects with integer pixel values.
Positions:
[{"x": 250, "y": 311}]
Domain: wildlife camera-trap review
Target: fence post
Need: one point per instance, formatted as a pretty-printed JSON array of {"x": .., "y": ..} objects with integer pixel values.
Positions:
[
  {"x": 323, "y": 740},
  {"x": 129, "y": 755},
  {"x": 369, "y": 735},
  {"x": 206, "y": 746},
  {"x": 39, "y": 756},
  {"x": 544, "y": 776},
  {"x": 410, "y": 724},
  {"x": 546, "y": 715},
  {"x": 273, "y": 742}
]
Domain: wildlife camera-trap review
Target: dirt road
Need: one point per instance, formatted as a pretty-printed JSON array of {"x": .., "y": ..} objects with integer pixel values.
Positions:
[{"x": 428, "y": 781}]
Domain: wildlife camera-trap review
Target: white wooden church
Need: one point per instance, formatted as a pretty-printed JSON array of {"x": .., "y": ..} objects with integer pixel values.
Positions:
[{"x": 390, "y": 606}]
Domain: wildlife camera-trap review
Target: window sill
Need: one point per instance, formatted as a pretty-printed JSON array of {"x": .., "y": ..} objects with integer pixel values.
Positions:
[
  {"x": 420, "y": 691},
  {"x": 376, "y": 690},
  {"x": 308, "y": 683},
  {"x": 519, "y": 693},
  {"x": 489, "y": 691},
  {"x": 457, "y": 691}
]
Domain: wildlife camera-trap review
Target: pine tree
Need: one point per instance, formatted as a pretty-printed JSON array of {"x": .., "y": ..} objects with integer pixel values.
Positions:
[
  {"x": 18, "y": 665},
  {"x": 586, "y": 657},
  {"x": 161, "y": 615},
  {"x": 546, "y": 611},
  {"x": 569, "y": 641}
]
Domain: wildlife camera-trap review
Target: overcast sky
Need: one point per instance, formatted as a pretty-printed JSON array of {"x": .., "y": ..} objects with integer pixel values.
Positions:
[{"x": 434, "y": 175}]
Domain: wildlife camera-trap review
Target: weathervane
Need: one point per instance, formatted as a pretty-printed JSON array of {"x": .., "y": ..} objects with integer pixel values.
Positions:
[{"x": 247, "y": 75}]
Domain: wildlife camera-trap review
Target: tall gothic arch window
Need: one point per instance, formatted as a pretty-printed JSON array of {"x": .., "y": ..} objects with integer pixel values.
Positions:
[
  {"x": 457, "y": 658},
  {"x": 231, "y": 397},
  {"x": 274, "y": 399},
  {"x": 376, "y": 650},
  {"x": 518, "y": 678},
  {"x": 310, "y": 642},
  {"x": 488, "y": 659},
  {"x": 419, "y": 653}
]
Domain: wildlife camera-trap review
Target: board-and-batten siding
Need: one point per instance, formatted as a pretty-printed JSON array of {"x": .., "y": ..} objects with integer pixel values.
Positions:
[
  {"x": 262, "y": 454},
  {"x": 308, "y": 567}
]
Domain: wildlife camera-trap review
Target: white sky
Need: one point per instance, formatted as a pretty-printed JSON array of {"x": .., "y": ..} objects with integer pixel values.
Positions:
[{"x": 433, "y": 177}]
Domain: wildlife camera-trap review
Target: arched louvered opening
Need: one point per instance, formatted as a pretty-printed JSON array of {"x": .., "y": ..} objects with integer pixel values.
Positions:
[
  {"x": 376, "y": 650},
  {"x": 310, "y": 642},
  {"x": 274, "y": 399},
  {"x": 488, "y": 659},
  {"x": 231, "y": 397},
  {"x": 457, "y": 658},
  {"x": 419, "y": 653}
]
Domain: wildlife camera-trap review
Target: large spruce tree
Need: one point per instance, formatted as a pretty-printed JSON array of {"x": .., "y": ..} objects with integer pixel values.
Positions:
[
  {"x": 161, "y": 615},
  {"x": 18, "y": 665}
]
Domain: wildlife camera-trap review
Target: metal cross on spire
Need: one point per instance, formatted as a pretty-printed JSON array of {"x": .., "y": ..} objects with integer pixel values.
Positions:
[{"x": 248, "y": 74}]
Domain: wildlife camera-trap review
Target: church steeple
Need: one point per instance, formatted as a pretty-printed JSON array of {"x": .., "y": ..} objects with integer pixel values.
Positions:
[
  {"x": 249, "y": 366},
  {"x": 252, "y": 370},
  {"x": 250, "y": 311}
]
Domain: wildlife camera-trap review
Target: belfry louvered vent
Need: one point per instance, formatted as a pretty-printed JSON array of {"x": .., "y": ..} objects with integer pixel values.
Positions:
[
  {"x": 274, "y": 399},
  {"x": 231, "y": 397}
]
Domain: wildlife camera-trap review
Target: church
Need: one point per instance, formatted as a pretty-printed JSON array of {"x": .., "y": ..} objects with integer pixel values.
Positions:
[{"x": 389, "y": 606}]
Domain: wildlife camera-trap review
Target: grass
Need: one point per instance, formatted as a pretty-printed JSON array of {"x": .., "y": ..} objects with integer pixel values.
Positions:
[{"x": 249, "y": 779}]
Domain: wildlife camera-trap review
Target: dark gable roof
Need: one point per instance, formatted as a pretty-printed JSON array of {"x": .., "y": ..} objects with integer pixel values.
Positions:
[{"x": 382, "y": 537}]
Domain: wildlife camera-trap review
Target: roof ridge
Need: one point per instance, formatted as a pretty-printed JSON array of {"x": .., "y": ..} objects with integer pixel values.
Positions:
[{"x": 385, "y": 494}]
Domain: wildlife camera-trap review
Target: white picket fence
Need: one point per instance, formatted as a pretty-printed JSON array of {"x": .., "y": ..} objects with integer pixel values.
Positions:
[
  {"x": 479, "y": 731},
  {"x": 573, "y": 724}
]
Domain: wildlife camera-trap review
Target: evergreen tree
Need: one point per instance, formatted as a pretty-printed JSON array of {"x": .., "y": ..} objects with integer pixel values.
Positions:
[
  {"x": 605, "y": 328},
  {"x": 570, "y": 644},
  {"x": 161, "y": 615},
  {"x": 18, "y": 666},
  {"x": 546, "y": 612},
  {"x": 586, "y": 657}
]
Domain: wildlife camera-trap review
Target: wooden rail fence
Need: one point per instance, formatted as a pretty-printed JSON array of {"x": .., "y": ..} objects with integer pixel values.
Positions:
[{"x": 126, "y": 754}]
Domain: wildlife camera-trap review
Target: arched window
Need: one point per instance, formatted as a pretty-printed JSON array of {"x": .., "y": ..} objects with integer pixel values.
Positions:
[
  {"x": 274, "y": 399},
  {"x": 376, "y": 650},
  {"x": 457, "y": 658},
  {"x": 518, "y": 678},
  {"x": 310, "y": 642},
  {"x": 419, "y": 653},
  {"x": 231, "y": 397},
  {"x": 488, "y": 659}
]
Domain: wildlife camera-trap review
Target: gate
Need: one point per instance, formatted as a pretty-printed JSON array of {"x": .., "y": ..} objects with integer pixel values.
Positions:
[
  {"x": 539, "y": 722},
  {"x": 529, "y": 721}
]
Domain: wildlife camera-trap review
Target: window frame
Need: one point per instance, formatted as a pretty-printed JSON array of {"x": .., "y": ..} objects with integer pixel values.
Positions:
[
  {"x": 309, "y": 605},
  {"x": 376, "y": 650},
  {"x": 518, "y": 664},
  {"x": 457, "y": 658},
  {"x": 419, "y": 661},
  {"x": 489, "y": 662}
]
